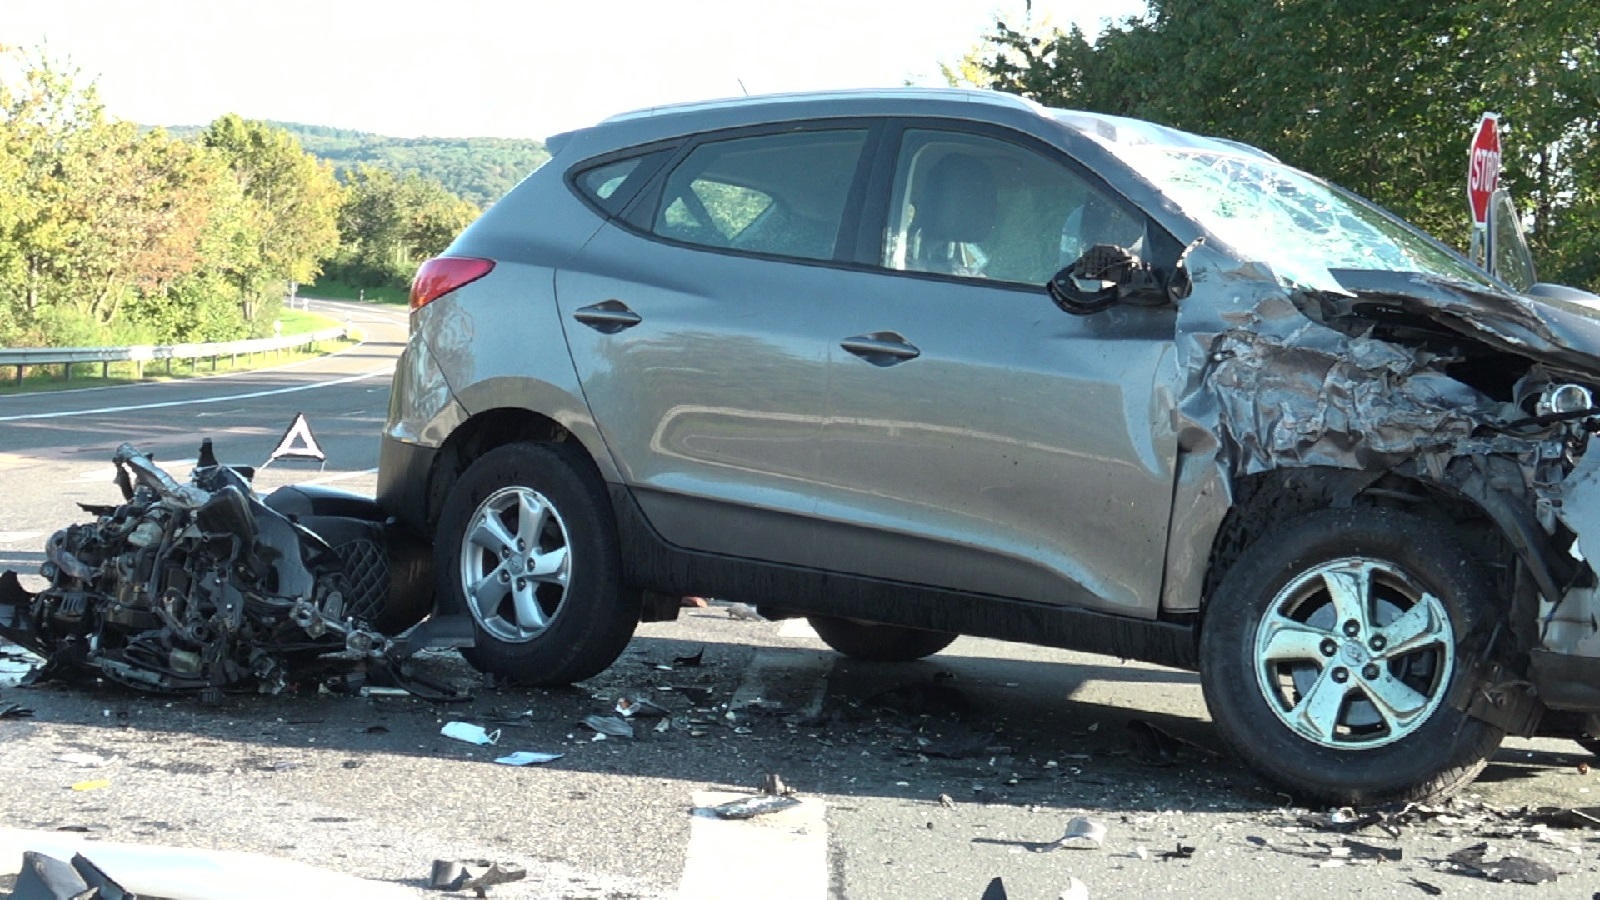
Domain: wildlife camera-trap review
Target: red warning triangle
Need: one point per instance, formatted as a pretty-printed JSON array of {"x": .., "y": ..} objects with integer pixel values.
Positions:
[{"x": 298, "y": 442}]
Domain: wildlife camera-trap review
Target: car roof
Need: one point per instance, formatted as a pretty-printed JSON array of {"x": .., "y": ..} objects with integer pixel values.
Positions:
[{"x": 971, "y": 104}]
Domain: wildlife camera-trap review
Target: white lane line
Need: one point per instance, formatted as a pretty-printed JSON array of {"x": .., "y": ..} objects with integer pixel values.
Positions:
[
  {"x": 785, "y": 853},
  {"x": 796, "y": 678},
  {"x": 205, "y": 377},
  {"x": 342, "y": 476},
  {"x": 797, "y": 628},
  {"x": 227, "y": 398}
]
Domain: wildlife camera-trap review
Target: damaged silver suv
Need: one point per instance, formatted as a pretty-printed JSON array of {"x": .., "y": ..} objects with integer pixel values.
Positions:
[{"x": 920, "y": 363}]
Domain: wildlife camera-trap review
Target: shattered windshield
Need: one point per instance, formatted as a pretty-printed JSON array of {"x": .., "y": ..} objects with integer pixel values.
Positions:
[{"x": 1299, "y": 225}]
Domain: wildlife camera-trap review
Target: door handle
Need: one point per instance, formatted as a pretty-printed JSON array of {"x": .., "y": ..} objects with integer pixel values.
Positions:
[
  {"x": 607, "y": 316},
  {"x": 881, "y": 348}
]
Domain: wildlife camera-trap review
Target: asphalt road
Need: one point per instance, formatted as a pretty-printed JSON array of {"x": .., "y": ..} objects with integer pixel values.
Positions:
[{"x": 922, "y": 780}]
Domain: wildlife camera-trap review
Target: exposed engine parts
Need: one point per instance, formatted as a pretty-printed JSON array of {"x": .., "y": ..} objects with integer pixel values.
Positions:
[{"x": 204, "y": 587}]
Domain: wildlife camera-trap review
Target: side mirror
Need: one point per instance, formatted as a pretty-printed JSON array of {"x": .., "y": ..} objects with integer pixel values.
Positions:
[{"x": 1103, "y": 277}]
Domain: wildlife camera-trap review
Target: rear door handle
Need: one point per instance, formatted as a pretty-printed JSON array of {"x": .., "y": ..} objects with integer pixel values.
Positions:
[
  {"x": 881, "y": 348},
  {"x": 607, "y": 316}
]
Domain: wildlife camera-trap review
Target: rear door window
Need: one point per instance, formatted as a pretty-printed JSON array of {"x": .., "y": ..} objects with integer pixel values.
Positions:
[{"x": 780, "y": 194}]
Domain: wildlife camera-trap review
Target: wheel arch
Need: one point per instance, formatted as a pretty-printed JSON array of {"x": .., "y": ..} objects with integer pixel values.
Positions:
[
  {"x": 1478, "y": 511},
  {"x": 485, "y": 431}
]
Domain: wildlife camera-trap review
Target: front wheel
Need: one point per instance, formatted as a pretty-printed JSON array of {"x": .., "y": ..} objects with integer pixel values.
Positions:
[
  {"x": 1331, "y": 648},
  {"x": 527, "y": 545},
  {"x": 880, "y": 643}
]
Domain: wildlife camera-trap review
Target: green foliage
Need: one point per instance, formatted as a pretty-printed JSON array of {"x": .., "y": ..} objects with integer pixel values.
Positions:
[
  {"x": 479, "y": 170},
  {"x": 391, "y": 223},
  {"x": 1377, "y": 96},
  {"x": 111, "y": 233}
]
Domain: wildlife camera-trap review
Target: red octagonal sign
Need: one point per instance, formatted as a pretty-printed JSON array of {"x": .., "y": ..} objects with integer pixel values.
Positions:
[{"x": 1483, "y": 167}]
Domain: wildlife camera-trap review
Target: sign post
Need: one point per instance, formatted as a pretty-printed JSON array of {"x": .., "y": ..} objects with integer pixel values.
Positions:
[{"x": 1483, "y": 176}]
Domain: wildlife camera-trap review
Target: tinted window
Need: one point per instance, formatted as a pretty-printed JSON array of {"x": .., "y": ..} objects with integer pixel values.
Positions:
[
  {"x": 981, "y": 207},
  {"x": 783, "y": 194}
]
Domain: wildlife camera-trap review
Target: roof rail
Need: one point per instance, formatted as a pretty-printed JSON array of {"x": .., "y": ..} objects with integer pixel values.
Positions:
[{"x": 969, "y": 95}]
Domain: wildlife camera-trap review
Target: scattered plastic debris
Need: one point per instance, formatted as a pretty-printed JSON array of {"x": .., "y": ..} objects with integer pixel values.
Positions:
[
  {"x": 946, "y": 801},
  {"x": 690, "y": 662},
  {"x": 641, "y": 707},
  {"x": 45, "y": 877},
  {"x": 773, "y": 783},
  {"x": 15, "y": 711},
  {"x": 375, "y": 691},
  {"x": 1075, "y": 890},
  {"x": 996, "y": 889},
  {"x": 1432, "y": 890},
  {"x": 744, "y": 612},
  {"x": 472, "y": 734},
  {"x": 93, "y": 785},
  {"x": 476, "y": 875},
  {"x": 1515, "y": 869},
  {"x": 756, "y": 805},
  {"x": 609, "y": 725},
  {"x": 87, "y": 760},
  {"x": 528, "y": 758},
  {"x": 1083, "y": 833},
  {"x": 1181, "y": 851}
]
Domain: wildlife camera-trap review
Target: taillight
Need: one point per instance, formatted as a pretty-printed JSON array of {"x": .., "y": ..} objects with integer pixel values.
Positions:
[{"x": 443, "y": 274}]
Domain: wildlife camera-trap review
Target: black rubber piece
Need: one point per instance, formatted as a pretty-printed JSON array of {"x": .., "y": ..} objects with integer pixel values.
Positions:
[
  {"x": 1444, "y": 753},
  {"x": 879, "y": 643},
  {"x": 597, "y": 615}
]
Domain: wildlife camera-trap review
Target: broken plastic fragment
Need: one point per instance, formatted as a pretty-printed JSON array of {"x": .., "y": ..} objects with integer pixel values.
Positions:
[
  {"x": 1432, "y": 890},
  {"x": 757, "y": 805},
  {"x": 88, "y": 760},
  {"x": 528, "y": 758},
  {"x": 690, "y": 662},
  {"x": 93, "y": 785},
  {"x": 1519, "y": 870},
  {"x": 610, "y": 725},
  {"x": 1075, "y": 890},
  {"x": 472, "y": 734},
  {"x": 641, "y": 707},
  {"x": 1181, "y": 851},
  {"x": 1083, "y": 833},
  {"x": 744, "y": 612}
]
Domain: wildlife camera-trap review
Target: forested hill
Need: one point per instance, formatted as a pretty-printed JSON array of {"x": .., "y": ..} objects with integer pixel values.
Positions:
[{"x": 477, "y": 169}]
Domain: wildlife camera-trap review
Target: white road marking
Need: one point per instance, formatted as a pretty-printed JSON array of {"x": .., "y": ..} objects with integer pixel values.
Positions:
[
  {"x": 228, "y": 398},
  {"x": 779, "y": 856},
  {"x": 797, "y": 628},
  {"x": 775, "y": 673}
]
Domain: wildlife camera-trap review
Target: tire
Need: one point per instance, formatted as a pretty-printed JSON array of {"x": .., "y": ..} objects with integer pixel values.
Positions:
[
  {"x": 571, "y": 616},
  {"x": 879, "y": 643},
  {"x": 1307, "y": 721}
]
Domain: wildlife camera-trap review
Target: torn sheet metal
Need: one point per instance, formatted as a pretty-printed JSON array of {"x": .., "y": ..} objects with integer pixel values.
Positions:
[{"x": 204, "y": 586}]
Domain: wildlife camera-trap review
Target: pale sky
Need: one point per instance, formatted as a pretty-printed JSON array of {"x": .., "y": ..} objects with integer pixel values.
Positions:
[{"x": 510, "y": 69}]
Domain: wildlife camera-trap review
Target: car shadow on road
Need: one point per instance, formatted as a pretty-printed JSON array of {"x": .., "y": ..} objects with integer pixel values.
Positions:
[{"x": 943, "y": 730}]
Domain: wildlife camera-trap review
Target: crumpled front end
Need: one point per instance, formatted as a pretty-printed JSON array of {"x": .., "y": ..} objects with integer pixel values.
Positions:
[{"x": 1403, "y": 390}]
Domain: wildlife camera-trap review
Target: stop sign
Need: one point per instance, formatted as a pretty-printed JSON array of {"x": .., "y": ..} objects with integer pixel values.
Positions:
[{"x": 1483, "y": 167}]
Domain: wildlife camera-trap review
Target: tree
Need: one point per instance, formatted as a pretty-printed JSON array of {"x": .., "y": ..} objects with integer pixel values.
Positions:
[
  {"x": 390, "y": 223},
  {"x": 290, "y": 223},
  {"x": 1376, "y": 95}
]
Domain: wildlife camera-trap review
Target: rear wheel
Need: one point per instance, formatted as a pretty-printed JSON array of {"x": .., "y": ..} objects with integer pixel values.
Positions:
[
  {"x": 527, "y": 546},
  {"x": 1331, "y": 647},
  {"x": 881, "y": 643}
]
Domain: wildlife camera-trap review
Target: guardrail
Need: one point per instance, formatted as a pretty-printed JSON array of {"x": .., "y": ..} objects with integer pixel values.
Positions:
[{"x": 140, "y": 354}]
